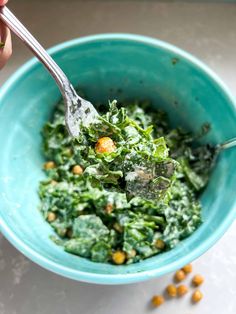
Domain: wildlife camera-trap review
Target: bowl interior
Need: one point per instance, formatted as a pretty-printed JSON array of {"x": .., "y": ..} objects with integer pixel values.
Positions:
[{"x": 108, "y": 67}]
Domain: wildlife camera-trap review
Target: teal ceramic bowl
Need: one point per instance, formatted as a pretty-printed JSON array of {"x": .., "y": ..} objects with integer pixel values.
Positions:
[{"x": 106, "y": 67}]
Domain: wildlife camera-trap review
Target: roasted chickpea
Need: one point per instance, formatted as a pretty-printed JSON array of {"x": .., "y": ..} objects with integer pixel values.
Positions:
[
  {"x": 182, "y": 290},
  {"x": 77, "y": 170},
  {"x": 187, "y": 268},
  {"x": 49, "y": 165},
  {"x": 105, "y": 145},
  {"x": 171, "y": 290},
  {"x": 197, "y": 280},
  {"x": 179, "y": 275},
  {"x": 157, "y": 300},
  {"x": 119, "y": 257},
  {"x": 197, "y": 296},
  {"x": 53, "y": 182},
  {"x": 160, "y": 244},
  {"x": 51, "y": 216}
]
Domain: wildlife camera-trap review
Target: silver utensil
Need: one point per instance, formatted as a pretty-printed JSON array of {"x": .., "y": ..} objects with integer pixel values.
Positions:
[
  {"x": 78, "y": 110},
  {"x": 227, "y": 144}
]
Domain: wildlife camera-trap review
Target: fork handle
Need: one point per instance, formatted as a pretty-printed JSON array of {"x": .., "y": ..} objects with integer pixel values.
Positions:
[
  {"x": 20, "y": 30},
  {"x": 227, "y": 144}
]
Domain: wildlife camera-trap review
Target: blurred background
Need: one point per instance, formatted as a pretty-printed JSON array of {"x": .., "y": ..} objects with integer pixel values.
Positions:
[{"x": 206, "y": 29}]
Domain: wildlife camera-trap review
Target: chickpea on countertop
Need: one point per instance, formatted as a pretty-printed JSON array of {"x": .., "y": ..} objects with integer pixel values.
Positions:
[{"x": 173, "y": 291}]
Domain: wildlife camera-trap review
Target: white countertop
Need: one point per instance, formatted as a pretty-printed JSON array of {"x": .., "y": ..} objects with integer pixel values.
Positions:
[{"x": 208, "y": 30}]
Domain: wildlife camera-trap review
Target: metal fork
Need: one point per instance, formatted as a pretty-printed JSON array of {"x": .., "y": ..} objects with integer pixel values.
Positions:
[{"x": 78, "y": 110}]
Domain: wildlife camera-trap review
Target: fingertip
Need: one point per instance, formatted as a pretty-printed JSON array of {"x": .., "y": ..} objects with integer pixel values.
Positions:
[
  {"x": 6, "y": 51},
  {"x": 3, "y": 2}
]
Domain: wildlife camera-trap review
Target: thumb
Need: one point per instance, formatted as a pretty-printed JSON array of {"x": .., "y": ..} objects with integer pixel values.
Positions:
[
  {"x": 3, "y": 2},
  {"x": 5, "y": 39}
]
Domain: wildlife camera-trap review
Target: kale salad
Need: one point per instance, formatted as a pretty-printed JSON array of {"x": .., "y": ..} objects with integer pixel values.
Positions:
[{"x": 127, "y": 188}]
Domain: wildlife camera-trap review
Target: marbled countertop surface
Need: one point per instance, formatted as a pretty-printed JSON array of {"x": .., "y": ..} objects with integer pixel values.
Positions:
[{"x": 208, "y": 30}]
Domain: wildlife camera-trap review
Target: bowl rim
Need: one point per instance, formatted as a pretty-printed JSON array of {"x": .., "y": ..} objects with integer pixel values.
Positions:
[{"x": 130, "y": 277}]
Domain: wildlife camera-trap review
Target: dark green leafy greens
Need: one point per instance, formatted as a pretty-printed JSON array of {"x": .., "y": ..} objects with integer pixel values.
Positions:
[{"x": 140, "y": 198}]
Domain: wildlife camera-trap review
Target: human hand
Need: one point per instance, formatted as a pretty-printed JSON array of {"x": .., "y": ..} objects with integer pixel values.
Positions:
[{"x": 5, "y": 41}]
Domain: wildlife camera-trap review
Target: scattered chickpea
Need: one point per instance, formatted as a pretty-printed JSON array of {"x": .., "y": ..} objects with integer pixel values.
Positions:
[
  {"x": 187, "y": 268},
  {"x": 49, "y": 165},
  {"x": 119, "y": 257},
  {"x": 105, "y": 145},
  {"x": 51, "y": 216},
  {"x": 53, "y": 182},
  {"x": 109, "y": 208},
  {"x": 197, "y": 296},
  {"x": 171, "y": 290},
  {"x": 77, "y": 170},
  {"x": 197, "y": 280},
  {"x": 180, "y": 275},
  {"x": 182, "y": 290},
  {"x": 160, "y": 244},
  {"x": 118, "y": 227},
  {"x": 157, "y": 300}
]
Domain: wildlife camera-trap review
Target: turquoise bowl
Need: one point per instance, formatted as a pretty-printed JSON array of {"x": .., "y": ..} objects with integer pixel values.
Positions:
[{"x": 111, "y": 66}]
